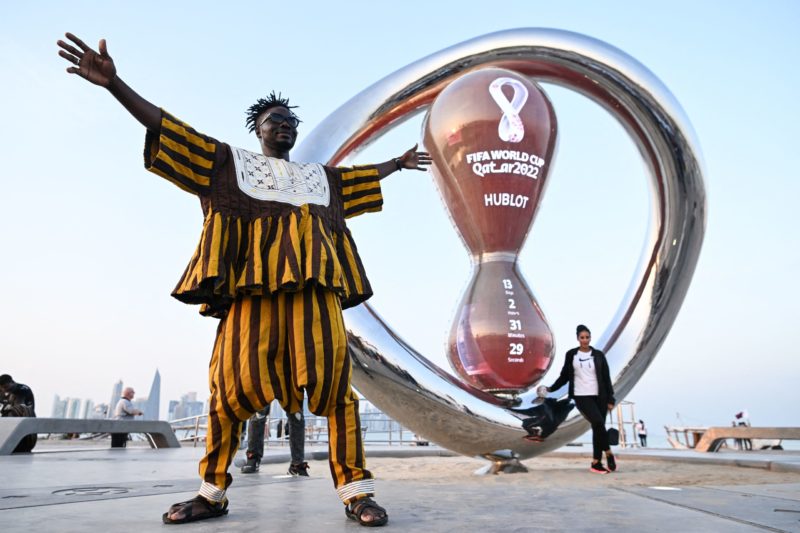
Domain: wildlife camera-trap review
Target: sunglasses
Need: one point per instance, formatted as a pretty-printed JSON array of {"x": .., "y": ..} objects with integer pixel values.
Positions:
[{"x": 278, "y": 118}]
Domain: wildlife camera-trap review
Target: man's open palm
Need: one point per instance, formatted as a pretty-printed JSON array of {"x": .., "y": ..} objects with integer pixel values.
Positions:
[{"x": 97, "y": 68}]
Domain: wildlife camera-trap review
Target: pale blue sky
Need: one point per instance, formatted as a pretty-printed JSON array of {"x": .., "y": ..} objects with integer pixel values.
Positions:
[{"x": 92, "y": 244}]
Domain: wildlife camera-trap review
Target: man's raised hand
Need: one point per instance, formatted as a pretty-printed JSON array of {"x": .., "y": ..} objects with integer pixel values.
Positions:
[
  {"x": 98, "y": 68},
  {"x": 414, "y": 160}
]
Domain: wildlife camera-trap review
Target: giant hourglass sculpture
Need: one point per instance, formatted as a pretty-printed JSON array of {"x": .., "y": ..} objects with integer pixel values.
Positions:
[
  {"x": 492, "y": 136},
  {"x": 406, "y": 384}
]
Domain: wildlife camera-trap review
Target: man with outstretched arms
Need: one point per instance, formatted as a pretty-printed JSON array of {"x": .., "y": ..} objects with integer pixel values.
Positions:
[{"x": 276, "y": 264}]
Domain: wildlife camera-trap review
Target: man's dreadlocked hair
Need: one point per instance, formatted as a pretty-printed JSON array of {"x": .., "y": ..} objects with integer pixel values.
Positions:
[{"x": 261, "y": 105}]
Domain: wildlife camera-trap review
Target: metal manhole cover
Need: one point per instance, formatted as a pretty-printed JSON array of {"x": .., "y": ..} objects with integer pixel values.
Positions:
[{"x": 91, "y": 491}]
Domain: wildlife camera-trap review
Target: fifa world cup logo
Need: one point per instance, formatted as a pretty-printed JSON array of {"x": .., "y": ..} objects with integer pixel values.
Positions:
[
  {"x": 510, "y": 128},
  {"x": 492, "y": 135}
]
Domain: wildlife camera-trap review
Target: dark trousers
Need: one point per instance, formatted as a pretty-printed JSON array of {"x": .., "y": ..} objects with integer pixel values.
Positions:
[
  {"x": 643, "y": 440},
  {"x": 119, "y": 440},
  {"x": 744, "y": 444},
  {"x": 26, "y": 444},
  {"x": 595, "y": 413},
  {"x": 21, "y": 410},
  {"x": 296, "y": 429}
]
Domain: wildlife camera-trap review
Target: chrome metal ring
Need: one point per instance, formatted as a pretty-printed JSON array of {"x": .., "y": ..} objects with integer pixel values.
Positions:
[{"x": 414, "y": 391}]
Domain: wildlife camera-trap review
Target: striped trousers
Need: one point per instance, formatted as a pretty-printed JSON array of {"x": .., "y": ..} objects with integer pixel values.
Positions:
[{"x": 280, "y": 347}]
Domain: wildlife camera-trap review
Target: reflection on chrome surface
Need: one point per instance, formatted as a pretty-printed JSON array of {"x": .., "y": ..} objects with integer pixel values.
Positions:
[{"x": 431, "y": 402}]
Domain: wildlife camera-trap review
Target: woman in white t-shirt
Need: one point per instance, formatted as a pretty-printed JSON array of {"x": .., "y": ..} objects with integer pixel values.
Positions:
[{"x": 586, "y": 371}]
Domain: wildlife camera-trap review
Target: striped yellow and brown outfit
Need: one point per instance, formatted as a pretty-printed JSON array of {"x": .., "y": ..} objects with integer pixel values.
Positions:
[{"x": 278, "y": 276}]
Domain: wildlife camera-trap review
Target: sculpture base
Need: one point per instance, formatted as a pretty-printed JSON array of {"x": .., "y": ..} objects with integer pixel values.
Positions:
[{"x": 506, "y": 465}]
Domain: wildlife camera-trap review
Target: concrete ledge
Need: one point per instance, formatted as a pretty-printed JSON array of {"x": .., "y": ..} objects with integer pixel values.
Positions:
[
  {"x": 775, "y": 461},
  {"x": 13, "y": 430},
  {"x": 713, "y": 437},
  {"x": 775, "y": 466}
]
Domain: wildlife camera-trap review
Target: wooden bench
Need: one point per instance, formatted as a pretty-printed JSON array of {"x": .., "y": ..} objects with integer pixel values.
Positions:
[
  {"x": 713, "y": 437},
  {"x": 13, "y": 430}
]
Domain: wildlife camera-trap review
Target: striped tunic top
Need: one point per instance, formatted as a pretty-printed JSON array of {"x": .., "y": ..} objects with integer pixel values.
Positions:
[{"x": 256, "y": 246}]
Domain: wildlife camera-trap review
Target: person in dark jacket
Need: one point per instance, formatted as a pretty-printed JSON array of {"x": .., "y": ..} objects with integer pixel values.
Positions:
[
  {"x": 586, "y": 371},
  {"x": 17, "y": 400}
]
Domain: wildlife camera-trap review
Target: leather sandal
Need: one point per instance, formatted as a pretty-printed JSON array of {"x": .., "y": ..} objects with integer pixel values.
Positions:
[
  {"x": 198, "y": 508},
  {"x": 356, "y": 511}
]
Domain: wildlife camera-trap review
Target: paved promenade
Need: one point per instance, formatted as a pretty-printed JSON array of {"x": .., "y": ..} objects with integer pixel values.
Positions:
[{"x": 127, "y": 490}]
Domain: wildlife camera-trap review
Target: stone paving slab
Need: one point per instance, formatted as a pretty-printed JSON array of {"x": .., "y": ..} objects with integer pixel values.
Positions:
[
  {"x": 734, "y": 504},
  {"x": 305, "y": 505},
  {"x": 785, "y": 491},
  {"x": 75, "y": 491},
  {"x": 79, "y": 493}
]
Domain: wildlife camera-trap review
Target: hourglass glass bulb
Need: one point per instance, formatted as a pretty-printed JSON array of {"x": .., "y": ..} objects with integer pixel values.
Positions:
[{"x": 492, "y": 136}]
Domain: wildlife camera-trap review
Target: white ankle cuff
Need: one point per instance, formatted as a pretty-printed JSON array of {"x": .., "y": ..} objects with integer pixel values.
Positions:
[
  {"x": 355, "y": 488},
  {"x": 211, "y": 492}
]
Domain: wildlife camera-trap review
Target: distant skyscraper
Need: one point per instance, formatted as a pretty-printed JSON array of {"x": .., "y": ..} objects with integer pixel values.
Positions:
[
  {"x": 140, "y": 403},
  {"x": 173, "y": 405},
  {"x": 187, "y": 407},
  {"x": 73, "y": 407},
  {"x": 59, "y": 407},
  {"x": 153, "y": 401},
  {"x": 116, "y": 394},
  {"x": 88, "y": 409}
]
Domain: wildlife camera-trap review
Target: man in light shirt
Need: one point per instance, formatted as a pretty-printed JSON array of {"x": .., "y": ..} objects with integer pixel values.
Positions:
[{"x": 124, "y": 411}]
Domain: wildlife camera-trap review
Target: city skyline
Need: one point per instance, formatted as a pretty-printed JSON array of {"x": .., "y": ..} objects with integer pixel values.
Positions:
[
  {"x": 150, "y": 405},
  {"x": 186, "y": 407}
]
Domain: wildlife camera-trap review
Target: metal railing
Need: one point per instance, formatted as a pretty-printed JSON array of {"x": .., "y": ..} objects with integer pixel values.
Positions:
[
  {"x": 376, "y": 428},
  {"x": 191, "y": 427}
]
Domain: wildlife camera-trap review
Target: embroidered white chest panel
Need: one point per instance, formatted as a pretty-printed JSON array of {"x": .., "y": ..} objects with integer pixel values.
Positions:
[{"x": 276, "y": 180}]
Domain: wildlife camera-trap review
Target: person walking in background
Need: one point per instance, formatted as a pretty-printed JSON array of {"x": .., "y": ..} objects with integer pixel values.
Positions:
[
  {"x": 641, "y": 430},
  {"x": 742, "y": 419},
  {"x": 124, "y": 411},
  {"x": 297, "y": 440},
  {"x": 586, "y": 371},
  {"x": 16, "y": 400}
]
